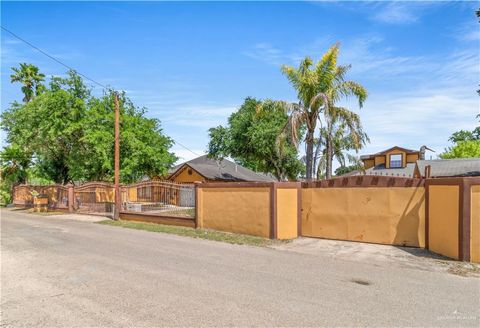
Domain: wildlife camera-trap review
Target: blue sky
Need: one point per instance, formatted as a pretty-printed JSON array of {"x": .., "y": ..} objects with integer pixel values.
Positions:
[{"x": 192, "y": 64}]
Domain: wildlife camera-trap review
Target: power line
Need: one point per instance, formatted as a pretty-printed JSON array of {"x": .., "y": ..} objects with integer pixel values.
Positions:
[
  {"x": 51, "y": 57},
  {"x": 71, "y": 68},
  {"x": 176, "y": 142}
]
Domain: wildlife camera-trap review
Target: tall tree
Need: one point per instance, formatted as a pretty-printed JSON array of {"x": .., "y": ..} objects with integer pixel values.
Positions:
[
  {"x": 337, "y": 137},
  {"x": 251, "y": 139},
  {"x": 318, "y": 87},
  {"x": 341, "y": 132},
  {"x": 31, "y": 79},
  {"x": 71, "y": 135}
]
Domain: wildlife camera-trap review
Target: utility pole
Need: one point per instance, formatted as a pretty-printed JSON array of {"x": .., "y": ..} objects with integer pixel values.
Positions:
[{"x": 118, "y": 200}]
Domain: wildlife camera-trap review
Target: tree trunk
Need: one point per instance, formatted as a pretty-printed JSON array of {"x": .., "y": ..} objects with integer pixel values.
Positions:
[
  {"x": 309, "y": 155},
  {"x": 329, "y": 151}
]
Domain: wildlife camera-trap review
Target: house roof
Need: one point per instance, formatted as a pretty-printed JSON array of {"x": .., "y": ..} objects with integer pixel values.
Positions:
[
  {"x": 384, "y": 152},
  {"x": 458, "y": 167},
  {"x": 225, "y": 170},
  {"x": 406, "y": 171}
]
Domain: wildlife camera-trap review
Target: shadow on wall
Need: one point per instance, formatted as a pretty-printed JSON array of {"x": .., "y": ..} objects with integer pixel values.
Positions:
[{"x": 412, "y": 219}]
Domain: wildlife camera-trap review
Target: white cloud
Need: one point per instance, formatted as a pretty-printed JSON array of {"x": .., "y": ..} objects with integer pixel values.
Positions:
[
  {"x": 369, "y": 54},
  {"x": 469, "y": 31},
  {"x": 267, "y": 53},
  {"x": 194, "y": 116},
  {"x": 396, "y": 13},
  {"x": 431, "y": 96}
]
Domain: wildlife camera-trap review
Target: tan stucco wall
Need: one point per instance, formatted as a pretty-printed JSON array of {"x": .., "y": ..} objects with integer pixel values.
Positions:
[
  {"x": 394, "y": 216},
  {"x": 412, "y": 158},
  {"x": 368, "y": 163},
  {"x": 443, "y": 220},
  {"x": 395, "y": 152},
  {"x": 184, "y": 177},
  {"x": 240, "y": 210},
  {"x": 475, "y": 224},
  {"x": 287, "y": 213},
  {"x": 379, "y": 160}
]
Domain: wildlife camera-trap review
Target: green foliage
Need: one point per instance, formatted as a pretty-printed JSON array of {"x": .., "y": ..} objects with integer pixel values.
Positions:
[
  {"x": 466, "y": 144},
  {"x": 5, "y": 197},
  {"x": 464, "y": 135},
  {"x": 320, "y": 86},
  {"x": 341, "y": 170},
  {"x": 71, "y": 135},
  {"x": 31, "y": 79},
  {"x": 14, "y": 163},
  {"x": 251, "y": 139},
  {"x": 463, "y": 149}
]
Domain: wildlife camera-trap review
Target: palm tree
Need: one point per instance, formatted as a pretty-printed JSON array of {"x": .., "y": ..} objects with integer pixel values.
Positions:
[
  {"x": 31, "y": 79},
  {"x": 342, "y": 132},
  {"x": 319, "y": 87}
]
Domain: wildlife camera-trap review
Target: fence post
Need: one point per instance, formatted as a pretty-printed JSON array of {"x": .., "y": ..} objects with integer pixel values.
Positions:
[
  {"x": 197, "y": 203},
  {"x": 71, "y": 198}
]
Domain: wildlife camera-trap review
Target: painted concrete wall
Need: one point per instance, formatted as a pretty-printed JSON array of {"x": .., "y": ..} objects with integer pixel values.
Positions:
[
  {"x": 239, "y": 210},
  {"x": 443, "y": 211},
  {"x": 287, "y": 213},
  {"x": 393, "y": 216},
  {"x": 475, "y": 224}
]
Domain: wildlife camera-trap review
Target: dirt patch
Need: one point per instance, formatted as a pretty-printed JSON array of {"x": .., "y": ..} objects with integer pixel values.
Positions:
[{"x": 464, "y": 269}]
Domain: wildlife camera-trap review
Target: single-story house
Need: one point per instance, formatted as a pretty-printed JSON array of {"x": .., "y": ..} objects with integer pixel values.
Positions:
[{"x": 206, "y": 169}]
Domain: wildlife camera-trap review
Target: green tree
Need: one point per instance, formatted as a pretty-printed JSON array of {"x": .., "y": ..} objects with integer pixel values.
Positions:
[
  {"x": 342, "y": 132},
  {"x": 144, "y": 149},
  {"x": 31, "y": 78},
  {"x": 50, "y": 126},
  {"x": 318, "y": 87},
  {"x": 336, "y": 139},
  {"x": 466, "y": 144},
  {"x": 341, "y": 170},
  {"x": 463, "y": 149},
  {"x": 14, "y": 163},
  {"x": 71, "y": 134},
  {"x": 251, "y": 139}
]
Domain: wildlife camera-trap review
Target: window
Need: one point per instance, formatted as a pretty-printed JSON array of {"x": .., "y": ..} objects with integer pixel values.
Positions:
[{"x": 396, "y": 160}]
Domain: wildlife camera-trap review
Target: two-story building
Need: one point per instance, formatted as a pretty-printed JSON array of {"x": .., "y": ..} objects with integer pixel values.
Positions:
[{"x": 403, "y": 162}]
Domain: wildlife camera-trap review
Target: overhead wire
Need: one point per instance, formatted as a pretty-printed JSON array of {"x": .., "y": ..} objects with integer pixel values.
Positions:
[{"x": 76, "y": 71}]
